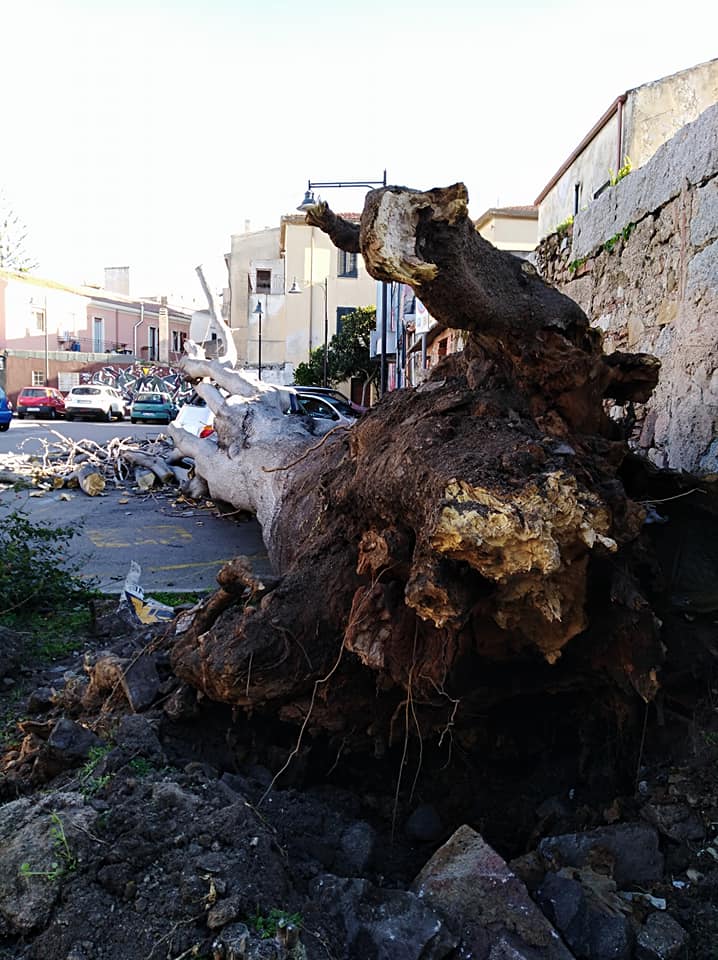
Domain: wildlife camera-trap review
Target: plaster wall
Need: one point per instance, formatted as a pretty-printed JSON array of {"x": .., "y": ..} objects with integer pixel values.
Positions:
[
  {"x": 292, "y": 323},
  {"x": 590, "y": 171},
  {"x": 511, "y": 233},
  {"x": 64, "y": 311},
  {"x": 651, "y": 115},
  {"x": 656, "y": 111},
  {"x": 246, "y": 248}
]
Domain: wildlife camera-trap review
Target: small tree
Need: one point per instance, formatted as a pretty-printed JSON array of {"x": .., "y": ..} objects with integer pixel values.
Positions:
[
  {"x": 349, "y": 350},
  {"x": 348, "y": 354},
  {"x": 310, "y": 373},
  {"x": 13, "y": 234}
]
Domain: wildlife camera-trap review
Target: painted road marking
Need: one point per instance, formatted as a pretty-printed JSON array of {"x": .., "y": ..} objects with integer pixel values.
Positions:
[
  {"x": 162, "y": 534},
  {"x": 188, "y": 566}
]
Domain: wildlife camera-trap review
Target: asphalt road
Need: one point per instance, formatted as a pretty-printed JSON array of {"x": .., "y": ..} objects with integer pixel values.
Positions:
[{"x": 179, "y": 547}]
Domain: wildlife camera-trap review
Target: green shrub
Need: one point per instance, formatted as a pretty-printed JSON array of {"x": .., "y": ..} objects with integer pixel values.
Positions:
[{"x": 35, "y": 575}]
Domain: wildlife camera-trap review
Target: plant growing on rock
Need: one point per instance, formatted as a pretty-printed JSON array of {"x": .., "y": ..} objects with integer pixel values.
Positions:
[{"x": 66, "y": 862}]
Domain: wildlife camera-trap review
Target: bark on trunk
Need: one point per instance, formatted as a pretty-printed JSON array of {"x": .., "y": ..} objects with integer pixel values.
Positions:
[
  {"x": 156, "y": 465},
  {"x": 476, "y": 520}
]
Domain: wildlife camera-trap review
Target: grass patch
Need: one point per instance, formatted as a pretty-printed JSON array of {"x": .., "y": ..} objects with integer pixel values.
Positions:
[
  {"x": 140, "y": 766},
  {"x": 178, "y": 599},
  {"x": 90, "y": 781},
  {"x": 266, "y": 925}
]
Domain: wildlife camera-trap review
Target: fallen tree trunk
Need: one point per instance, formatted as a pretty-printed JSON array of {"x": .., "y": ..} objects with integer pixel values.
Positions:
[
  {"x": 88, "y": 478},
  {"x": 156, "y": 465},
  {"x": 476, "y": 521}
]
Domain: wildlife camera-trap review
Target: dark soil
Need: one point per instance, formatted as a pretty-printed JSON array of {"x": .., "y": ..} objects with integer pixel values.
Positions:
[{"x": 195, "y": 820}]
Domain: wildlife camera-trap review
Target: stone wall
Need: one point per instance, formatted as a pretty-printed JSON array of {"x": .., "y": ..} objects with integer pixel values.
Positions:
[{"x": 642, "y": 261}]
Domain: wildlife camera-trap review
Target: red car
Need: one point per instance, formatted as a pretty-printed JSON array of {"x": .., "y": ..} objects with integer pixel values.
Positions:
[{"x": 40, "y": 402}]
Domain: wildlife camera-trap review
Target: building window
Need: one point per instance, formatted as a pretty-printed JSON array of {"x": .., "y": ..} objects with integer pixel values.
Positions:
[
  {"x": 178, "y": 339},
  {"x": 152, "y": 343},
  {"x": 442, "y": 348},
  {"x": 601, "y": 189},
  {"x": 38, "y": 319},
  {"x": 341, "y": 313},
  {"x": 38, "y": 378},
  {"x": 98, "y": 335},
  {"x": 346, "y": 264},
  {"x": 264, "y": 281}
]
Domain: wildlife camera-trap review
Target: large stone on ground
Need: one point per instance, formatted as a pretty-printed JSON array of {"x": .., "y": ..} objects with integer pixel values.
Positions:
[
  {"x": 677, "y": 821},
  {"x": 28, "y": 835},
  {"x": 473, "y": 887},
  {"x": 72, "y": 740},
  {"x": 593, "y": 930},
  {"x": 629, "y": 851},
  {"x": 68, "y": 746},
  {"x": 141, "y": 683},
  {"x": 662, "y": 938},
  {"x": 390, "y": 924},
  {"x": 137, "y": 678},
  {"x": 137, "y": 735}
]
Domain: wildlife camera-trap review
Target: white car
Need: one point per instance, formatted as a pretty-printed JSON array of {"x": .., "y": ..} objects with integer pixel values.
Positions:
[
  {"x": 196, "y": 418},
  {"x": 95, "y": 400}
]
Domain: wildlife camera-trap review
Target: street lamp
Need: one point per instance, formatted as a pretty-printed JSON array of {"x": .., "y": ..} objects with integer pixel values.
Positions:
[
  {"x": 295, "y": 288},
  {"x": 308, "y": 202},
  {"x": 258, "y": 311}
]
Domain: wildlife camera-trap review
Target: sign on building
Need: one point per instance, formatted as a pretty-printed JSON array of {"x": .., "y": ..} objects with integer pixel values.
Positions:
[{"x": 424, "y": 321}]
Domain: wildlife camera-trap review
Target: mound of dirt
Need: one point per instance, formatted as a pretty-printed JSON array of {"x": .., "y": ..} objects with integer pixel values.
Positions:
[{"x": 178, "y": 830}]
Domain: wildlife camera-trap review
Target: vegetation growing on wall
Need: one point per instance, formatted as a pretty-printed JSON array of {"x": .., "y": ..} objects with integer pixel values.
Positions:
[
  {"x": 562, "y": 227},
  {"x": 576, "y": 264},
  {"x": 623, "y": 234},
  {"x": 615, "y": 175}
]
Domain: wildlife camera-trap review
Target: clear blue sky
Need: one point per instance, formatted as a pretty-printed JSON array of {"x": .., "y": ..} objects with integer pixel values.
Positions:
[{"x": 146, "y": 132}]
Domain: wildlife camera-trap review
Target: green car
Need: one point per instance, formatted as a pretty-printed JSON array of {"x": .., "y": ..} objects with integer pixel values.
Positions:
[{"x": 152, "y": 406}]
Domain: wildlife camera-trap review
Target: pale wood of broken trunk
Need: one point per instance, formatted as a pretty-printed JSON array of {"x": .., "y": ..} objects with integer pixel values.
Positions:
[{"x": 88, "y": 479}]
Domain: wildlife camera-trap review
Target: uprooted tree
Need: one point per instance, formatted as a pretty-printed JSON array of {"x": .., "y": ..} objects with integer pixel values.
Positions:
[{"x": 465, "y": 539}]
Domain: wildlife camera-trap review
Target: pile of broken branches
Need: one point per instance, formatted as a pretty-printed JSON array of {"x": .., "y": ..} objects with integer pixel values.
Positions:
[{"x": 66, "y": 463}]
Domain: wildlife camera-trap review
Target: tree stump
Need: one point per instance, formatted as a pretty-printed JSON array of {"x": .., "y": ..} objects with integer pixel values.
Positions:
[{"x": 475, "y": 527}]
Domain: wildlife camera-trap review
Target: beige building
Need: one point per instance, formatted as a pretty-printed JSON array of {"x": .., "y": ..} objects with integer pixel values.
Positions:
[
  {"x": 289, "y": 287},
  {"x": 635, "y": 125},
  {"x": 510, "y": 228}
]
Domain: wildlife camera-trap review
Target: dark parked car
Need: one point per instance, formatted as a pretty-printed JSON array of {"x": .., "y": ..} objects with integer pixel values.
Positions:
[
  {"x": 40, "y": 402},
  {"x": 153, "y": 406},
  {"x": 333, "y": 395},
  {"x": 5, "y": 411},
  {"x": 323, "y": 407}
]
